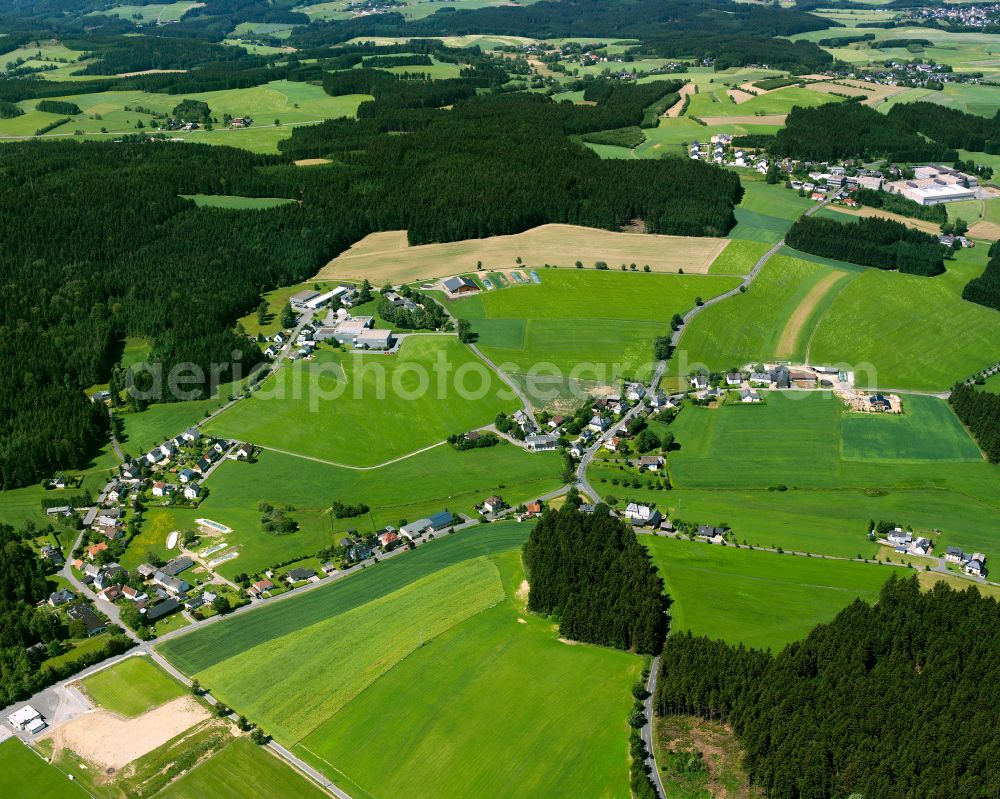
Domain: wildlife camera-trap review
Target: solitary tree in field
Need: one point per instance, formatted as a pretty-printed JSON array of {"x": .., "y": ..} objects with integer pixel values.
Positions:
[{"x": 288, "y": 316}]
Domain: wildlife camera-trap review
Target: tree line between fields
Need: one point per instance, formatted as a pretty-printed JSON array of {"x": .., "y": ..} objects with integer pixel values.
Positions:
[
  {"x": 888, "y": 701},
  {"x": 980, "y": 412},
  {"x": 31, "y": 632},
  {"x": 130, "y": 257},
  {"x": 985, "y": 289},
  {"x": 870, "y": 241}
]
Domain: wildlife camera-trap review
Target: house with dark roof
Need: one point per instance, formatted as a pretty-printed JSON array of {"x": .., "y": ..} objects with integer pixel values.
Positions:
[
  {"x": 61, "y": 597},
  {"x": 176, "y": 565},
  {"x": 161, "y": 609},
  {"x": 441, "y": 520},
  {"x": 299, "y": 574},
  {"x": 91, "y": 621},
  {"x": 460, "y": 285},
  {"x": 781, "y": 377}
]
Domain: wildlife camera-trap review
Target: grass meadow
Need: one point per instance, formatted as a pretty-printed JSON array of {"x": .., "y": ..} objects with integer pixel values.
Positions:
[
  {"x": 144, "y": 429},
  {"x": 767, "y": 211},
  {"x": 759, "y": 599},
  {"x": 233, "y": 203},
  {"x": 460, "y": 678},
  {"x": 584, "y": 316},
  {"x": 132, "y": 687},
  {"x": 914, "y": 332},
  {"x": 364, "y": 409},
  {"x": 20, "y": 768},
  {"x": 718, "y": 104},
  {"x": 410, "y": 489},
  {"x": 738, "y": 258},
  {"x": 242, "y": 770}
]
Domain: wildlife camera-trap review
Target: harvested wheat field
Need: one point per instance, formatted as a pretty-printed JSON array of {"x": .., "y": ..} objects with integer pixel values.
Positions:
[
  {"x": 383, "y": 257},
  {"x": 311, "y": 161},
  {"x": 919, "y": 224},
  {"x": 109, "y": 741},
  {"x": 748, "y": 119},
  {"x": 875, "y": 93}
]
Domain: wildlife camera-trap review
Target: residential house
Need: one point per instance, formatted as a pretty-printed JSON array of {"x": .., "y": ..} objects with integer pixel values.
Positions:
[
  {"x": 734, "y": 379},
  {"x": 134, "y": 594},
  {"x": 110, "y": 593},
  {"x": 659, "y": 401},
  {"x": 168, "y": 448},
  {"x": 112, "y": 531},
  {"x": 243, "y": 452},
  {"x": 699, "y": 382},
  {"x": 709, "y": 531},
  {"x": 259, "y": 588},
  {"x": 61, "y": 597},
  {"x": 192, "y": 434},
  {"x": 94, "y": 550},
  {"x": 651, "y": 462},
  {"x": 192, "y": 491},
  {"x": 781, "y": 377},
  {"x": 91, "y": 621},
  {"x": 641, "y": 515},
  {"x": 154, "y": 456},
  {"x": 921, "y": 546},
  {"x": 879, "y": 403},
  {"x": 541, "y": 443},
  {"x": 613, "y": 443},
  {"x": 174, "y": 585},
  {"x": 599, "y": 424},
  {"x": 899, "y": 536},
  {"x": 131, "y": 472},
  {"x": 90, "y": 572},
  {"x": 976, "y": 565},
  {"x": 577, "y": 448},
  {"x": 299, "y": 574},
  {"x": 533, "y": 508},
  {"x": 147, "y": 570},
  {"x": 186, "y": 475},
  {"x": 387, "y": 538},
  {"x": 954, "y": 555},
  {"x": 556, "y": 422},
  {"x": 494, "y": 504},
  {"x": 53, "y": 555},
  {"x": 634, "y": 392},
  {"x": 749, "y": 395}
]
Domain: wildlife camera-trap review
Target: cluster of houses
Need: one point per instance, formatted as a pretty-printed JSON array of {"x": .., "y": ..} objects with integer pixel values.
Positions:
[
  {"x": 719, "y": 150},
  {"x": 905, "y": 543},
  {"x": 607, "y": 411},
  {"x": 974, "y": 564},
  {"x": 778, "y": 376},
  {"x": 184, "y": 448}
]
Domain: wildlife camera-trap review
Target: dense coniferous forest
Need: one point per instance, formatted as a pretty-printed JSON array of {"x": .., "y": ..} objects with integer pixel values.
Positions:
[
  {"x": 131, "y": 257},
  {"x": 591, "y": 572},
  {"x": 985, "y": 289},
  {"x": 980, "y": 412},
  {"x": 890, "y": 701},
  {"x": 871, "y": 241},
  {"x": 949, "y": 126},
  {"x": 898, "y": 204},
  {"x": 850, "y": 130}
]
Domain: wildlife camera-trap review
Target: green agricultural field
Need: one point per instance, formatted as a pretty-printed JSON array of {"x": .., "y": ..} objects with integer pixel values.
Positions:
[
  {"x": 363, "y": 409},
  {"x": 590, "y": 324},
  {"x": 236, "y": 203},
  {"x": 239, "y": 771},
  {"x": 439, "y": 479},
  {"x": 975, "y": 210},
  {"x": 104, "y": 114},
  {"x": 208, "y": 646},
  {"x": 993, "y": 384},
  {"x": 496, "y": 701},
  {"x": 772, "y": 317},
  {"x": 767, "y": 211},
  {"x": 928, "y": 430},
  {"x": 132, "y": 687},
  {"x": 155, "y": 13},
  {"x": 20, "y": 767},
  {"x": 358, "y": 646},
  {"x": 803, "y": 473},
  {"x": 909, "y": 332},
  {"x": 738, "y": 258},
  {"x": 759, "y": 599},
  {"x": 144, "y": 429}
]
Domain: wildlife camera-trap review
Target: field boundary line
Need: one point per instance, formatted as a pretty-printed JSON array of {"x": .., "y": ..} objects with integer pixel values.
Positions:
[
  {"x": 794, "y": 325},
  {"x": 349, "y": 466}
]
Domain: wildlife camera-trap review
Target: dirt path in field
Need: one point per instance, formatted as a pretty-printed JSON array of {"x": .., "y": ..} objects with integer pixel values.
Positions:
[
  {"x": 675, "y": 110},
  {"x": 108, "y": 741},
  {"x": 749, "y": 119},
  {"x": 795, "y": 323}
]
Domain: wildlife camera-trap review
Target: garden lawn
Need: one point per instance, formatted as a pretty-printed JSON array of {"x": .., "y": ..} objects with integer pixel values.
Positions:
[
  {"x": 909, "y": 332},
  {"x": 441, "y": 478},
  {"x": 759, "y": 599},
  {"x": 278, "y": 685},
  {"x": 599, "y": 323},
  {"x": 21, "y": 768},
  {"x": 495, "y": 702},
  {"x": 363, "y": 409},
  {"x": 132, "y": 687}
]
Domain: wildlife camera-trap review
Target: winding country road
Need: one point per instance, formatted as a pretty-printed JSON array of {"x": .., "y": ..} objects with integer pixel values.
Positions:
[{"x": 647, "y": 729}]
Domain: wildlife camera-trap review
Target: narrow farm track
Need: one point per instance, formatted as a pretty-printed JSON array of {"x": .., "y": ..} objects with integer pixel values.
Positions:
[
  {"x": 349, "y": 466},
  {"x": 793, "y": 327}
]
